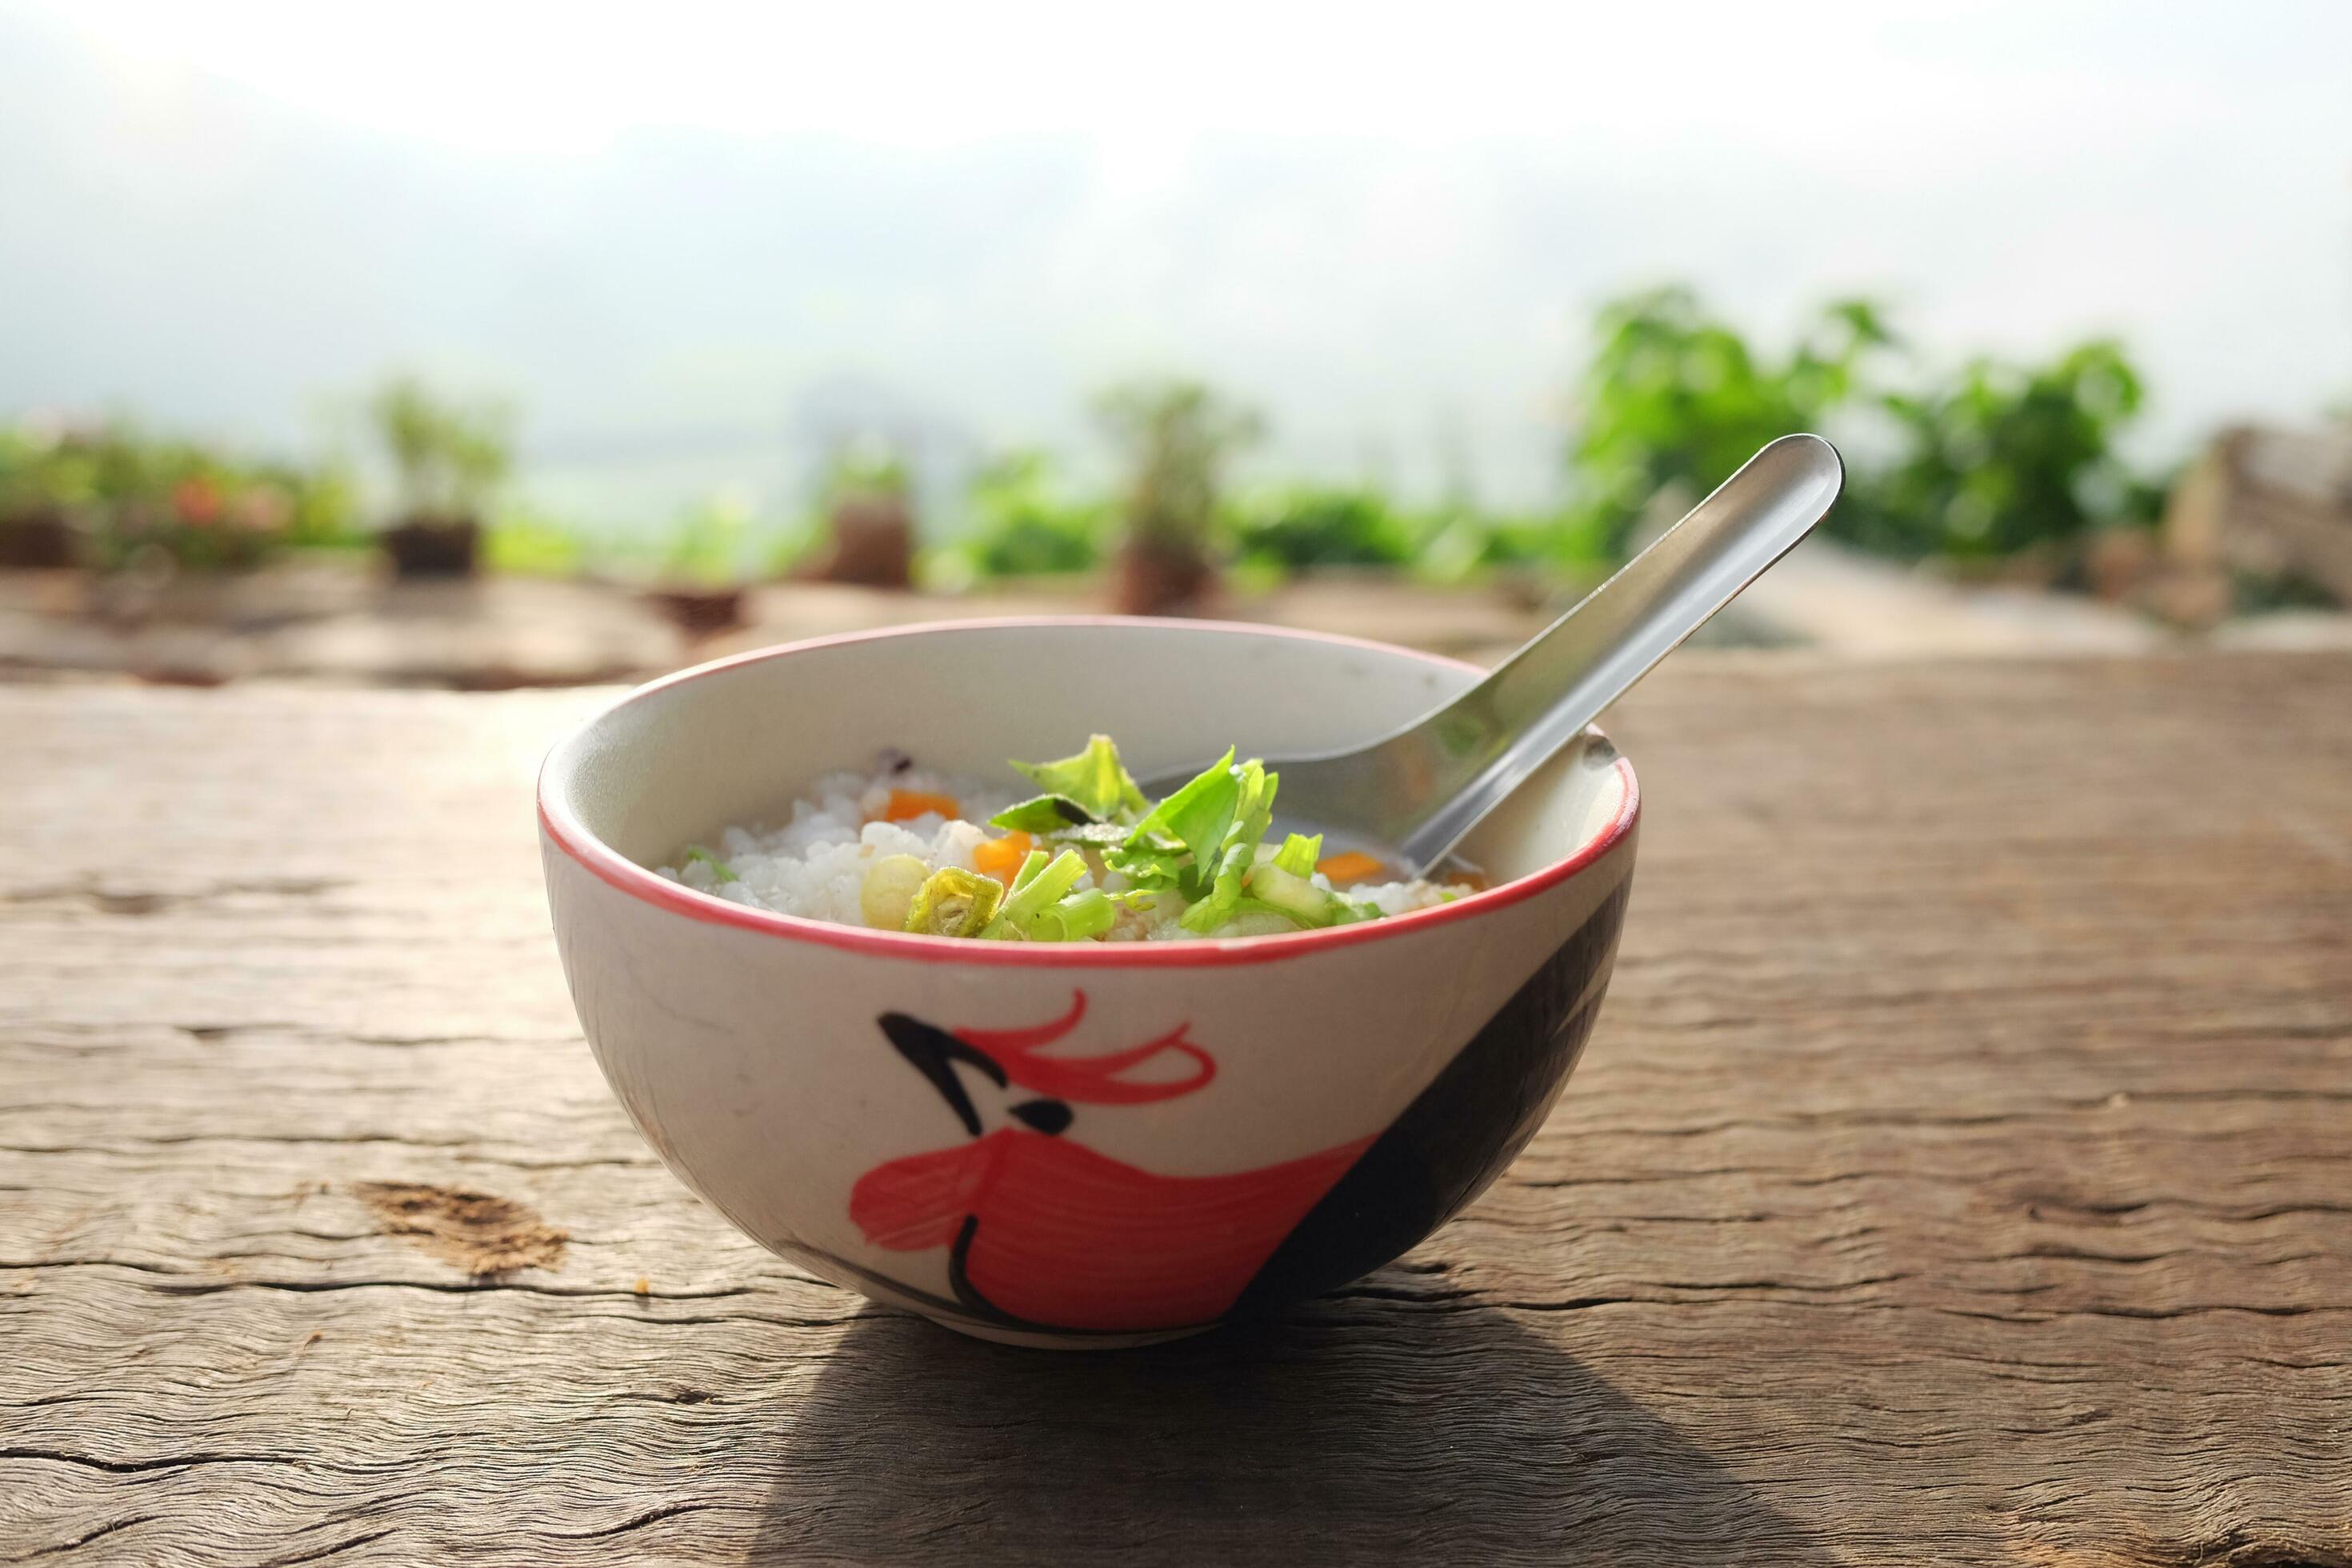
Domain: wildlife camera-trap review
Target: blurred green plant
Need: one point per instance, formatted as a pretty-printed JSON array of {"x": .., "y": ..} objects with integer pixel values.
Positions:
[
  {"x": 1302, "y": 527},
  {"x": 1467, "y": 542},
  {"x": 2004, "y": 458},
  {"x": 709, "y": 547},
  {"x": 1178, "y": 437},
  {"x": 867, "y": 506},
  {"x": 1986, "y": 460},
  {"x": 117, "y": 494},
  {"x": 1674, "y": 400},
  {"x": 1022, "y": 521},
  {"x": 864, "y": 470},
  {"x": 448, "y": 458},
  {"x": 531, "y": 543}
]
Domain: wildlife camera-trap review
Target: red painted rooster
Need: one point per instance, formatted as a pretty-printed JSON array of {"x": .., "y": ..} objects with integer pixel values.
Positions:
[{"x": 1044, "y": 1231}]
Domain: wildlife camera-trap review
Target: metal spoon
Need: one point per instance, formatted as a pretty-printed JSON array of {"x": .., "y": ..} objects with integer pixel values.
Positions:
[{"x": 1418, "y": 791}]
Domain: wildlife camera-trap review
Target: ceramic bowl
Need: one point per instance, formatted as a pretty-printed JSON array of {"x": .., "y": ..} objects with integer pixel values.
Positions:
[{"x": 1082, "y": 1144}]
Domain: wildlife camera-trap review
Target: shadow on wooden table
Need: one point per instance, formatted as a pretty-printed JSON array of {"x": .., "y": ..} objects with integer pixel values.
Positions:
[{"x": 1360, "y": 1427}]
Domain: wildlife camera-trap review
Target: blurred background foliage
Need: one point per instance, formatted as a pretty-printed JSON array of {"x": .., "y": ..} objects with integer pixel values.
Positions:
[
  {"x": 110, "y": 495},
  {"x": 1969, "y": 462},
  {"x": 447, "y": 457}
]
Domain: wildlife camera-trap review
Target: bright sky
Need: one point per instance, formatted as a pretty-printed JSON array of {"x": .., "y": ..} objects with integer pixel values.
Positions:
[
  {"x": 1377, "y": 221},
  {"x": 1798, "y": 78}
]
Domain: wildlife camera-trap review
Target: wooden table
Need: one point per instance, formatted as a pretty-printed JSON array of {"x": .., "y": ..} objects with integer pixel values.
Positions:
[{"x": 1962, "y": 1170}]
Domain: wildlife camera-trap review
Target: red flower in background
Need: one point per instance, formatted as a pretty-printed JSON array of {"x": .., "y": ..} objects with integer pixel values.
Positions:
[
  {"x": 1041, "y": 1229},
  {"x": 196, "y": 501}
]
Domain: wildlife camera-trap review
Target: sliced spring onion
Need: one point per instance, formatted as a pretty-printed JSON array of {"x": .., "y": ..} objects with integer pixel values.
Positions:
[
  {"x": 1298, "y": 854},
  {"x": 1026, "y": 872},
  {"x": 953, "y": 901},
  {"x": 1081, "y": 917},
  {"x": 719, "y": 868},
  {"x": 1035, "y": 889}
]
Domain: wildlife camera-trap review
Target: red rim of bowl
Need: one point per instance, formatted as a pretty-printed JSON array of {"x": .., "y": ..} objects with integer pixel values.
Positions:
[{"x": 608, "y": 865}]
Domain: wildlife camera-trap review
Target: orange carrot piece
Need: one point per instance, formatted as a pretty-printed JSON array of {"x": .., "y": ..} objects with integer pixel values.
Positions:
[
  {"x": 1348, "y": 866},
  {"x": 908, "y": 804},
  {"x": 1001, "y": 857}
]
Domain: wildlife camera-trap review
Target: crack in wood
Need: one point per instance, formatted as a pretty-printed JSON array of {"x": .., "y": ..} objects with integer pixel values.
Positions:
[{"x": 99, "y": 1533}]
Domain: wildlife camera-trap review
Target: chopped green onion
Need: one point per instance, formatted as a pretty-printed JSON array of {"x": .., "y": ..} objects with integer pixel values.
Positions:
[
  {"x": 1295, "y": 896},
  {"x": 1081, "y": 917},
  {"x": 954, "y": 902},
  {"x": 1298, "y": 854},
  {"x": 720, "y": 868},
  {"x": 1040, "y": 889},
  {"x": 1026, "y": 872}
]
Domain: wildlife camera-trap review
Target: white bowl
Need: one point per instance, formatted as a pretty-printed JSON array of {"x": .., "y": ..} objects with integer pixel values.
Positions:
[{"x": 1070, "y": 1144}]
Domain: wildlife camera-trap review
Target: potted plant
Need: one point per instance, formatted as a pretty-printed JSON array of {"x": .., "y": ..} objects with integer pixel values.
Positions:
[
  {"x": 700, "y": 583},
  {"x": 36, "y": 521},
  {"x": 1177, "y": 436},
  {"x": 869, "y": 519},
  {"x": 447, "y": 461}
]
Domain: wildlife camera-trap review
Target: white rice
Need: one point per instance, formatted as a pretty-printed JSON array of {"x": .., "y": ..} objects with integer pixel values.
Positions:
[{"x": 815, "y": 862}]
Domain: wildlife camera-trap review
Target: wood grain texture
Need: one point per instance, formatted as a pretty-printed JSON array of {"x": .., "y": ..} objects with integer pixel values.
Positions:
[{"x": 1962, "y": 1171}]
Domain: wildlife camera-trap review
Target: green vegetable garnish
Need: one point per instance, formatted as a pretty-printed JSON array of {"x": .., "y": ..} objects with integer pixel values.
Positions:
[
  {"x": 1204, "y": 844},
  {"x": 1192, "y": 821},
  {"x": 1023, "y": 874},
  {"x": 953, "y": 901},
  {"x": 1236, "y": 852},
  {"x": 1095, "y": 781},
  {"x": 720, "y": 868},
  {"x": 1045, "y": 813},
  {"x": 1078, "y": 918},
  {"x": 1298, "y": 854},
  {"x": 1039, "y": 885}
]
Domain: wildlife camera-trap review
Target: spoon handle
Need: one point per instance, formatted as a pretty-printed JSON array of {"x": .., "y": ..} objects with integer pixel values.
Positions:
[{"x": 1464, "y": 758}]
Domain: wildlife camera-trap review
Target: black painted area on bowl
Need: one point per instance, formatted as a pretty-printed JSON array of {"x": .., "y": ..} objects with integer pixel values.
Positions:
[{"x": 1457, "y": 1136}]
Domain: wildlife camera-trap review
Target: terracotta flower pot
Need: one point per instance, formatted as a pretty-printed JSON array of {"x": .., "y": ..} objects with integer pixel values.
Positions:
[
  {"x": 700, "y": 611},
  {"x": 1158, "y": 579},
  {"x": 434, "y": 546},
  {"x": 38, "y": 537},
  {"x": 873, "y": 543}
]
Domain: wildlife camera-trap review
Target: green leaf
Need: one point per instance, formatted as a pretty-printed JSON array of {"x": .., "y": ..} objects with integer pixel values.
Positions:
[
  {"x": 1253, "y": 815},
  {"x": 1094, "y": 780},
  {"x": 953, "y": 901},
  {"x": 1299, "y": 853},
  {"x": 724, "y": 872},
  {"x": 1192, "y": 821},
  {"x": 1148, "y": 870},
  {"x": 1101, "y": 835},
  {"x": 1045, "y": 813}
]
